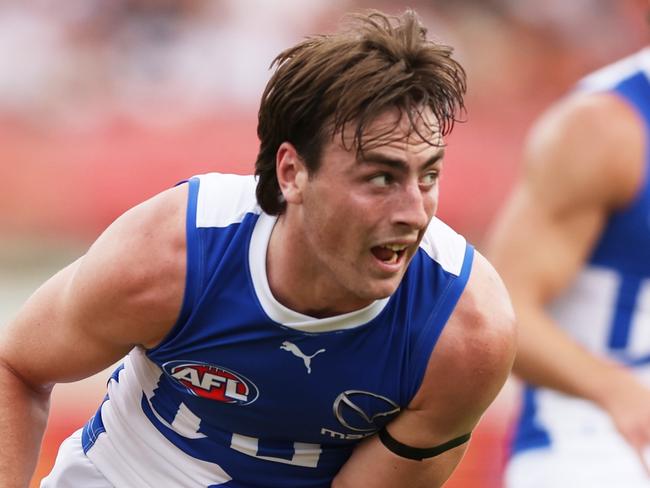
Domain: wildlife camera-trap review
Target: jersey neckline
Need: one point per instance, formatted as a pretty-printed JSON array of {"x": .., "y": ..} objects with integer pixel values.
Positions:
[{"x": 278, "y": 312}]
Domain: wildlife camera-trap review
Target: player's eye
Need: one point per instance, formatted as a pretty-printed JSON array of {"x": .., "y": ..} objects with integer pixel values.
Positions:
[
  {"x": 381, "y": 180},
  {"x": 429, "y": 178}
]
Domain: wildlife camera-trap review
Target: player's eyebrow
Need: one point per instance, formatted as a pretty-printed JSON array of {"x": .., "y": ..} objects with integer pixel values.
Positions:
[{"x": 396, "y": 163}]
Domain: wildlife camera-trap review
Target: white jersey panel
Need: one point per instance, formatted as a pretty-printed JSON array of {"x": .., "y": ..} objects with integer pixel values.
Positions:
[
  {"x": 587, "y": 449},
  {"x": 585, "y": 310},
  {"x": 640, "y": 326},
  {"x": 445, "y": 246},
  {"x": 135, "y": 442},
  {"x": 224, "y": 199},
  {"x": 610, "y": 75}
]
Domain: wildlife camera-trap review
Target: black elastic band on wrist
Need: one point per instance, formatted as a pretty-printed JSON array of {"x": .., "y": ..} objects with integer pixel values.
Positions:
[{"x": 418, "y": 453}]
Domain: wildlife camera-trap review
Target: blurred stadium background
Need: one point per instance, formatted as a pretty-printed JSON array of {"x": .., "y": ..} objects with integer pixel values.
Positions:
[{"x": 104, "y": 103}]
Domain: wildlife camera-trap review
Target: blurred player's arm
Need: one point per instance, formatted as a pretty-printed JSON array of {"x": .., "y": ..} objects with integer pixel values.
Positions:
[
  {"x": 583, "y": 160},
  {"x": 126, "y": 291},
  {"x": 467, "y": 369}
]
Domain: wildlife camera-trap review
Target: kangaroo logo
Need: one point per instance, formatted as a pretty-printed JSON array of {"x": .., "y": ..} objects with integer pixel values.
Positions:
[{"x": 293, "y": 349}]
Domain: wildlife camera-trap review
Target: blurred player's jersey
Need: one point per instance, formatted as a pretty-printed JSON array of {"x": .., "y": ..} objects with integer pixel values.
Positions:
[
  {"x": 244, "y": 392},
  {"x": 607, "y": 307}
]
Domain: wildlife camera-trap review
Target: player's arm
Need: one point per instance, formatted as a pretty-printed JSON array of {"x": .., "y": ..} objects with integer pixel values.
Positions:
[
  {"x": 468, "y": 367},
  {"x": 125, "y": 291},
  {"x": 582, "y": 161}
]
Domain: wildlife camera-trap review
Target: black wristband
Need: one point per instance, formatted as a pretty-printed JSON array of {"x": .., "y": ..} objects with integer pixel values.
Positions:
[{"x": 419, "y": 453}]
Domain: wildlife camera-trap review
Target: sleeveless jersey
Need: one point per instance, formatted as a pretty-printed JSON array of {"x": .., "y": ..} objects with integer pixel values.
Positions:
[
  {"x": 607, "y": 307},
  {"x": 245, "y": 392}
]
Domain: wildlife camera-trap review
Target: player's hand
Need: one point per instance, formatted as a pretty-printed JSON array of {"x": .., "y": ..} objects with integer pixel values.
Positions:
[{"x": 627, "y": 401}]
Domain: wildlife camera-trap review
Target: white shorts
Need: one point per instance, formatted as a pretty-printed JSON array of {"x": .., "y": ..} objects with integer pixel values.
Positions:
[
  {"x": 545, "y": 468},
  {"x": 73, "y": 469},
  {"x": 585, "y": 451}
]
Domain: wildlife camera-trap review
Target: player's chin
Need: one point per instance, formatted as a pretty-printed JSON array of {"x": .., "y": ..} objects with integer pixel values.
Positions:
[{"x": 383, "y": 288}]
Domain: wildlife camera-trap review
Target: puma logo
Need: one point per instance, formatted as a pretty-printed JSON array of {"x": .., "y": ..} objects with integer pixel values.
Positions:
[{"x": 293, "y": 349}]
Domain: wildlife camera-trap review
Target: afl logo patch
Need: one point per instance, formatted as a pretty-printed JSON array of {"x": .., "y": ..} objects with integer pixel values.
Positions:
[{"x": 212, "y": 382}]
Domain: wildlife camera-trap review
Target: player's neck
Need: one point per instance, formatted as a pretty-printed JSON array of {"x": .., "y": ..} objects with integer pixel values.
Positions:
[{"x": 298, "y": 282}]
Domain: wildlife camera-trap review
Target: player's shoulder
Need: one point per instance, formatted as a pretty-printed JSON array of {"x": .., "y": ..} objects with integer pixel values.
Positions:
[
  {"x": 474, "y": 354},
  {"x": 482, "y": 322},
  {"x": 595, "y": 115},
  {"x": 587, "y": 114},
  {"x": 160, "y": 218},
  {"x": 137, "y": 267},
  {"x": 484, "y": 310},
  {"x": 481, "y": 331},
  {"x": 586, "y": 147}
]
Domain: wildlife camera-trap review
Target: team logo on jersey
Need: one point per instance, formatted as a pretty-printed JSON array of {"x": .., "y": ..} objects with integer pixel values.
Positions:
[
  {"x": 295, "y": 350},
  {"x": 212, "y": 382},
  {"x": 362, "y": 411}
]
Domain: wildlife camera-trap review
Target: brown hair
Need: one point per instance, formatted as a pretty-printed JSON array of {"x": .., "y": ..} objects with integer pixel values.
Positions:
[{"x": 326, "y": 82}]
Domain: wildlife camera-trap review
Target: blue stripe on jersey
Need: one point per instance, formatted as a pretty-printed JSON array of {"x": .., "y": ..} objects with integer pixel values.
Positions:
[
  {"x": 93, "y": 428},
  {"x": 430, "y": 333},
  {"x": 623, "y": 311},
  {"x": 529, "y": 434},
  {"x": 116, "y": 374},
  {"x": 625, "y": 242},
  {"x": 194, "y": 263},
  {"x": 636, "y": 362}
]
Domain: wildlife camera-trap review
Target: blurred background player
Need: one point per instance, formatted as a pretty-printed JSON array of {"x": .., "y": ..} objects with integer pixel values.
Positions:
[{"x": 573, "y": 246}]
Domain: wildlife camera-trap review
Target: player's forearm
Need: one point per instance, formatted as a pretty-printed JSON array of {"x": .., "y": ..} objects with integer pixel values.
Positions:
[
  {"x": 23, "y": 416},
  {"x": 548, "y": 357},
  {"x": 372, "y": 465}
]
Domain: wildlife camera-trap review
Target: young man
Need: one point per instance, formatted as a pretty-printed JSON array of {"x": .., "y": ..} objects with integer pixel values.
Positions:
[
  {"x": 285, "y": 341},
  {"x": 573, "y": 246}
]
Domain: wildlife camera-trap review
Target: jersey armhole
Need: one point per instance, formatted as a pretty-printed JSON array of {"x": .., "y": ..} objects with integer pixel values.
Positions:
[
  {"x": 194, "y": 262},
  {"x": 430, "y": 333}
]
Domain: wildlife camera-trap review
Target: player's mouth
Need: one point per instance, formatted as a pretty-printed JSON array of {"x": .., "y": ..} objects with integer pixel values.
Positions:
[{"x": 390, "y": 254}]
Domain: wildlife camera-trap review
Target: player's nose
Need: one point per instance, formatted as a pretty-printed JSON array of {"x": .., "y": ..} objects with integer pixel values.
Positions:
[{"x": 412, "y": 207}]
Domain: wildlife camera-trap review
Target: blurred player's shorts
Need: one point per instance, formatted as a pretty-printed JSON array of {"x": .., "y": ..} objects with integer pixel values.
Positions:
[{"x": 595, "y": 456}]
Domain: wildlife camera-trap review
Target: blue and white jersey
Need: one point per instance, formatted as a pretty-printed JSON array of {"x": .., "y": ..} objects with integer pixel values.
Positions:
[
  {"x": 245, "y": 392},
  {"x": 607, "y": 307}
]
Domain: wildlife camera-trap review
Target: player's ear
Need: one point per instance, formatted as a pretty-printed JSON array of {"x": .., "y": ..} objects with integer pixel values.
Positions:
[{"x": 291, "y": 172}]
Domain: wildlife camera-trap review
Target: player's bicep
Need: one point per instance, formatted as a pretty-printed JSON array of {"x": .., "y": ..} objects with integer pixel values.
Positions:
[
  {"x": 537, "y": 246},
  {"x": 125, "y": 290},
  {"x": 41, "y": 344},
  {"x": 570, "y": 185}
]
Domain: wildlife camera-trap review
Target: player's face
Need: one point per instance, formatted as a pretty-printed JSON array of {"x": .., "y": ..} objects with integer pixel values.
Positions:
[{"x": 366, "y": 215}]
